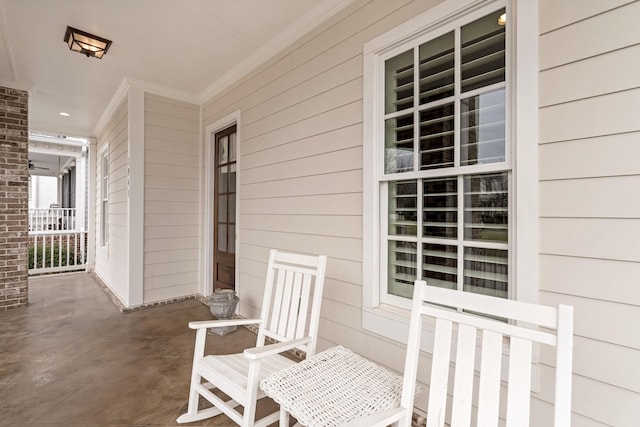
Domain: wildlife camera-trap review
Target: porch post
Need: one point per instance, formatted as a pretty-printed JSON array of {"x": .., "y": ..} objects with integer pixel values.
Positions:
[{"x": 14, "y": 197}]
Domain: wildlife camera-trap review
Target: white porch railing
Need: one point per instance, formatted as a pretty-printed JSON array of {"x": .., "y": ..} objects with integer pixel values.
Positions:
[
  {"x": 52, "y": 219},
  {"x": 57, "y": 251}
]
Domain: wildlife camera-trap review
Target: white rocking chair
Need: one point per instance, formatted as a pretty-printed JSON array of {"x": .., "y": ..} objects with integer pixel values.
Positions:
[
  {"x": 290, "y": 315},
  {"x": 544, "y": 326}
]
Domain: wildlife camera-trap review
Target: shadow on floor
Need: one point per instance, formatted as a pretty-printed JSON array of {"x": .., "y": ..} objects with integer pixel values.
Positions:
[{"x": 71, "y": 358}]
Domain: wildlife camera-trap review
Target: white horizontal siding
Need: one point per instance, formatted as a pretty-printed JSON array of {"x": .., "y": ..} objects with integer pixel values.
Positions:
[
  {"x": 557, "y": 14},
  {"x": 602, "y": 197},
  {"x": 612, "y": 155},
  {"x": 586, "y": 118},
  {"x": 568, "y": 44},
  {"x": 589, "y": 215},
  {"x": 591, "y": 278},
  {"x": 171, "y": 208},
  {"x": 112, "y": 259}
]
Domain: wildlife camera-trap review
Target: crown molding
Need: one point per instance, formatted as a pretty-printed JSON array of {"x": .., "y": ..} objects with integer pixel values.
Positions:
[
  {"x": 308, "y": 22},
  {"x": 118, "y": 97},
  {"x": 155, "y": 89}
]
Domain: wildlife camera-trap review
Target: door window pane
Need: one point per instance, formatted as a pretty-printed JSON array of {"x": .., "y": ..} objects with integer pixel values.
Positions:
[
  {"x": 232, "y": 147},
  {"x": 222, "y": 237},
  {"x": 223, "y": 150},
  {"x": 231, "y": 239},
  {"x": 223, "y": 179},
  {"x": 222, "y": 208}
]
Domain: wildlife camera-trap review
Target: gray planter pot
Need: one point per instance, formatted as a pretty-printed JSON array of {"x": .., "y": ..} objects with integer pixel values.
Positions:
[{"x": 222, "y": 304}]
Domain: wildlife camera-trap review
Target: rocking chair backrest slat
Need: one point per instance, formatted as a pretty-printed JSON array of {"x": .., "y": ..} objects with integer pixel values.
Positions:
[
  {"x": 295, "y": 280},
  {"x": 477, "y": 337}
]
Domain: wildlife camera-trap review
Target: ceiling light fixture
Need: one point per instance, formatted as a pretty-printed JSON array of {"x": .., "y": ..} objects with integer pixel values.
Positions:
[{"x": 85, "y": 43}]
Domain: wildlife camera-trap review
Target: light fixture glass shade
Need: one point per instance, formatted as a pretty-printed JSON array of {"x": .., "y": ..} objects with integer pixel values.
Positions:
[{"x": 85, "y": 43}]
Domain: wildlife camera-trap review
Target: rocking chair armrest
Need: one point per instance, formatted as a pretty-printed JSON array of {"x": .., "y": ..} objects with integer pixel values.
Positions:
[
  {"x": 221, "y": 323},
  {"x": 271, "y": 349}
]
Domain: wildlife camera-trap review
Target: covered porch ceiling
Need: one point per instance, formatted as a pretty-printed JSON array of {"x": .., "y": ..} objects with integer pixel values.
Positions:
[{"x": 191, "y": 48}]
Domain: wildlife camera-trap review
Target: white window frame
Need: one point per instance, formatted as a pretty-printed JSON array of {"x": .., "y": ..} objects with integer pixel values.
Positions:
[
  {"x": 389, "y": 320},
  {"x": 104, "y": 196}
]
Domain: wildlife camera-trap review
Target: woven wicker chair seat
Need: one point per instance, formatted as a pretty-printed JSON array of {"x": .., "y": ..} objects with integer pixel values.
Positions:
[{"x": 333, "y": 387}]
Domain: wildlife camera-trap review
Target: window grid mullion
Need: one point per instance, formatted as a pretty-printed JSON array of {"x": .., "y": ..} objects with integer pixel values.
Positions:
[
  {"x": 460, "y": 281},
  {"x": 416, "y": 113},
  {"x": 456, "y": 93},
  {"x": 419, "y": 228}
]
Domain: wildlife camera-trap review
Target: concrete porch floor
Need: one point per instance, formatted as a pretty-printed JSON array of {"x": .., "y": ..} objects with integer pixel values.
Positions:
[{"x": 70, "y": 358}]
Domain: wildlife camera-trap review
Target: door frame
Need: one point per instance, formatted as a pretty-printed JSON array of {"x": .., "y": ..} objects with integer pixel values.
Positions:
[{"x": 209, "y": 177}]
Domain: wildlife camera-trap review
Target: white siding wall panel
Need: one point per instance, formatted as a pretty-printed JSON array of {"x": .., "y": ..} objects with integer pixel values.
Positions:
[
  {"x": 586, "y": 118},
  {"x": 308, "y": 166},
  {"x": 614, "y": 371},
  {"x": 591, "y": 278},
  {"x": 615, "y": 239},
  {"x": 172, "y": 222},
  {"x": 606, "y": 197},
  {"x": 619, "y": 67},
  {"x": 594, "y": 400},
  {"x": 612, "y": 155},
  {"x": 568, "y": 44},
  {"x": 589, "y": 215},
  {"x": 556, "y": 14},
  {"x": 334, "y": 140},
  {"x": 112, "y": 259},
  {"x": 339, "y": 182},
  {"x": 334, "y": 225},
  {"x": 333, "y": 204}
]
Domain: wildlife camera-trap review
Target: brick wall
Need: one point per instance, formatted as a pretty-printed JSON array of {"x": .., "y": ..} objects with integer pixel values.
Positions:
[{"x": 14, "y": 197}]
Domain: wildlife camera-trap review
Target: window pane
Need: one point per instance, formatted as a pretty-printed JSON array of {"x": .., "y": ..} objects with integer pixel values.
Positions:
[
  {"x": 403, "y": 212},
  {"x": 232, "y": 147},
  {"x": 437, "y": 137},
  {"x": 402, "y": 268},
  {"x": 399, "y": 82},
  {"x": 232, "y": 208},
  {"x": 483, "y": 52},
  {"x": 486, "y": 271},
  {"x": 398, "y": 144},
  {"x": 223, "y": 179},
  {"x": 436, "y": 69},
  {"x": 440, "y": 208},
  {"x": 223, "y": 150},
  {"x": 482, "y": 130},
  {"x": 486, "y": 207},
  {"x": 222, "y": 208},
  {"x": 440, "y": 265},
  {"x": 232, "y": 178},
  {"x": 231, "y": 239},
  {"x": 222, "y": 237}
]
